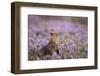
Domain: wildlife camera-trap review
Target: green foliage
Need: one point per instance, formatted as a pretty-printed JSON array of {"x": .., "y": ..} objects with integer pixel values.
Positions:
[{"x": 81, "y": 52}]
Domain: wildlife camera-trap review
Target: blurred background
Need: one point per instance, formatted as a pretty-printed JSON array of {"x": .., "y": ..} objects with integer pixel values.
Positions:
[{"x": 72, "y": 36}]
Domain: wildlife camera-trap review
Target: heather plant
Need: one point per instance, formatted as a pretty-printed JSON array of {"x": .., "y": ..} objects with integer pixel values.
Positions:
[{"x": 72, "y": 37}]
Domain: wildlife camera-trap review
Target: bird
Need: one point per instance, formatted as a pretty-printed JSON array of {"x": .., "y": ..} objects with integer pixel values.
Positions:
[{"x": 51, "y": 47}]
